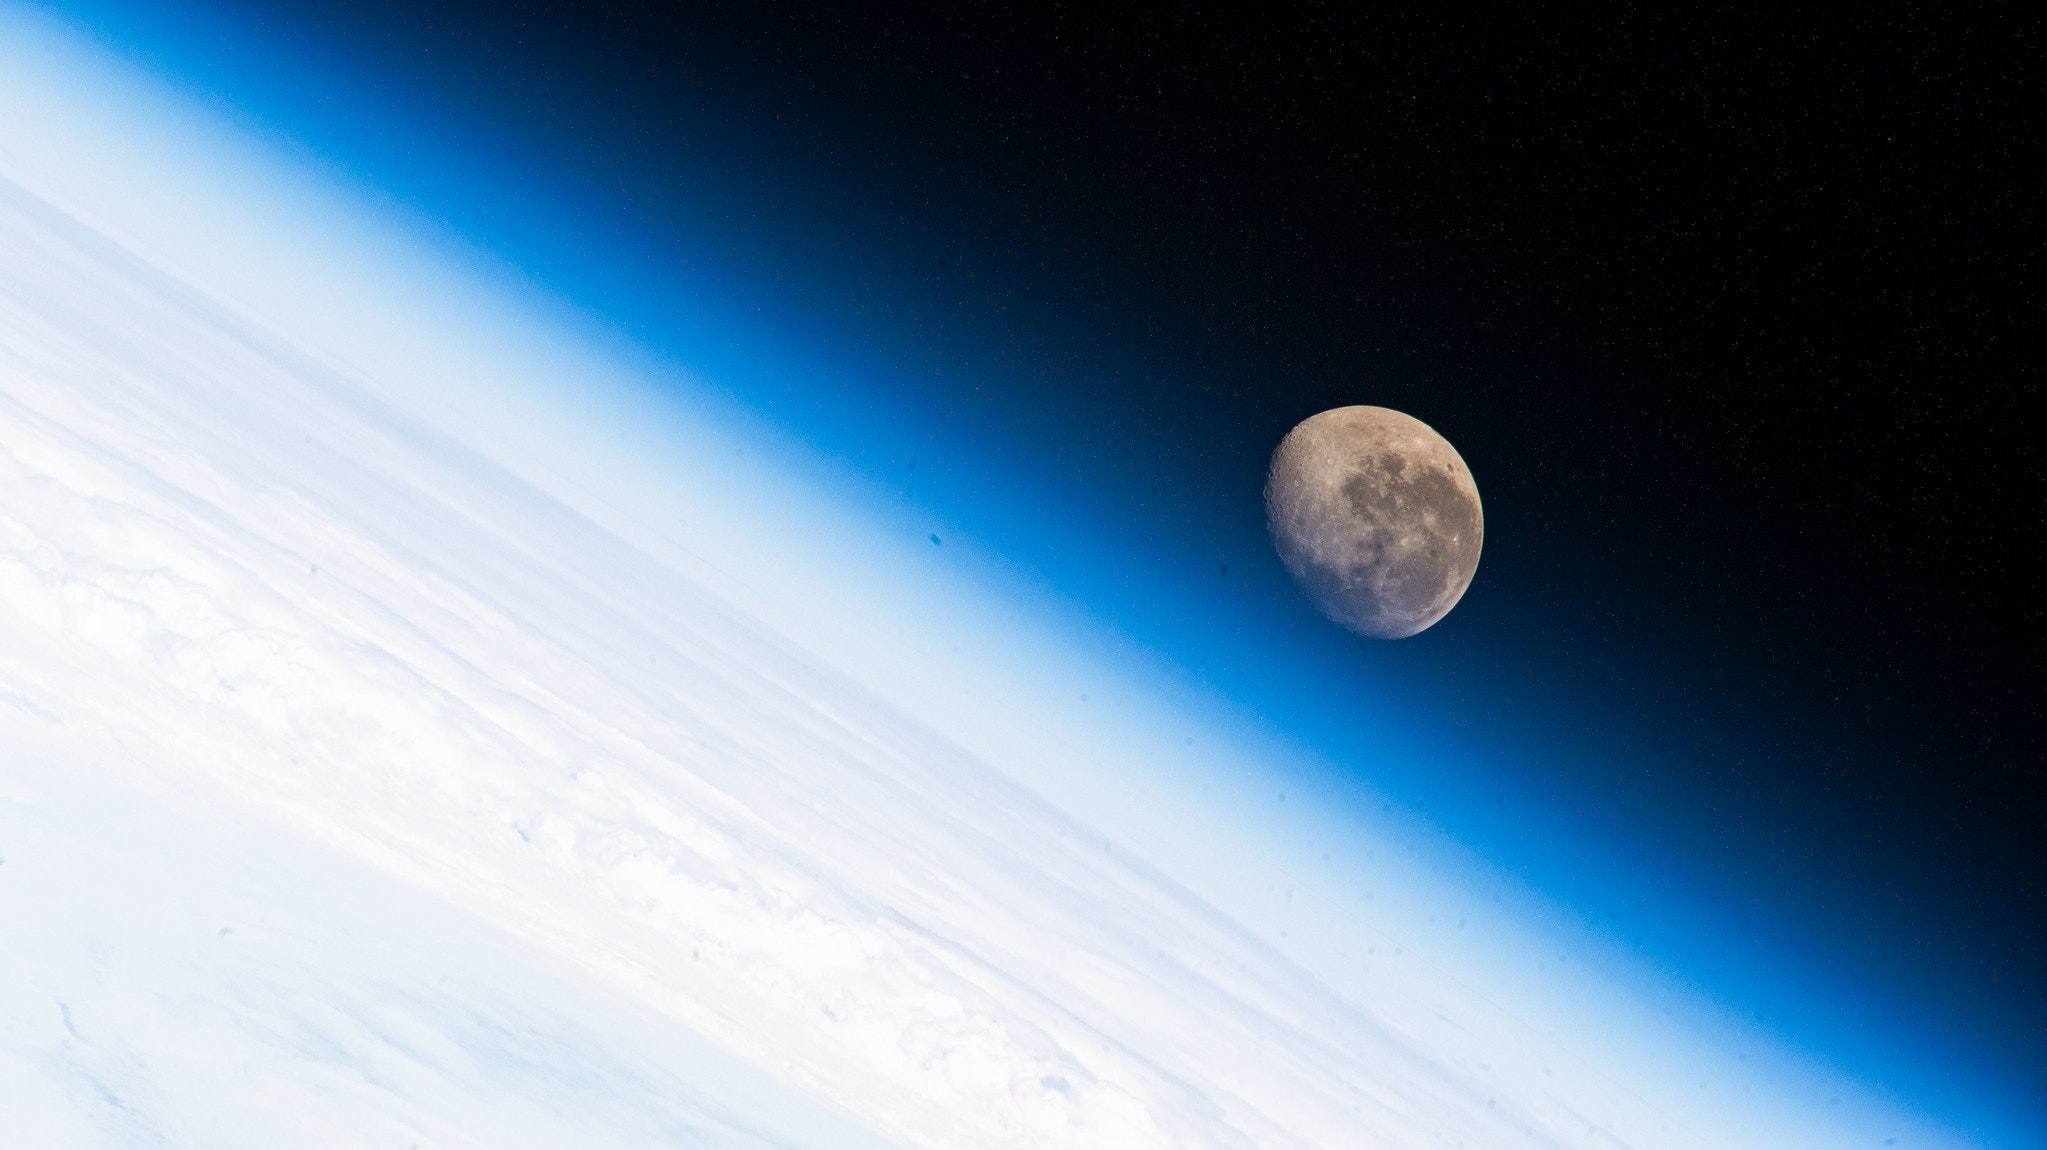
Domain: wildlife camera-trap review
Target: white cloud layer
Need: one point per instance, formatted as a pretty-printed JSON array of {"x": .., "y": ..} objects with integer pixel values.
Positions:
[{"x": 228, "y": 573}]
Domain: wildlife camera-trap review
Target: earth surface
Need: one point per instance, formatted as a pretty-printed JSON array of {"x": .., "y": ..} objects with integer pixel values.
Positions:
[{"x": 363, "y": 783}]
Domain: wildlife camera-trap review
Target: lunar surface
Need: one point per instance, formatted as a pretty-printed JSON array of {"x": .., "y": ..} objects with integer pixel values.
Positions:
[{"x": 1377, "y": 517}]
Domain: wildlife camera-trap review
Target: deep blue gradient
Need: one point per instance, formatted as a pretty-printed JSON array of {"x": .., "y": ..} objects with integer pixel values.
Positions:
[{"x": 844, "y": 329}]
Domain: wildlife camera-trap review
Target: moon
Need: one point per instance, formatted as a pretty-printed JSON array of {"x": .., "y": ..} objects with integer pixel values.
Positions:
[{"x": 1376, "y": 517}]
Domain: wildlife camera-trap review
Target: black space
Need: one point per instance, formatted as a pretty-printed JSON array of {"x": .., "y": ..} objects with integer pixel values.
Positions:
[{"x": 1736, "y": 315}]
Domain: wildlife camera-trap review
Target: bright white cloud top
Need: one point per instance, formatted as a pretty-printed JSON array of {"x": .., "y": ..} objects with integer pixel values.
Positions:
[{"x": 417, "y": 730}]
